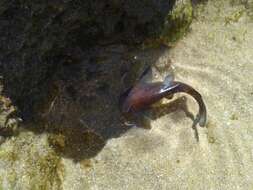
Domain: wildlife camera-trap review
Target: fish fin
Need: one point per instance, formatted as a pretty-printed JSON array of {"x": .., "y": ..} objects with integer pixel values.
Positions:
[
  {"x": 169, "y": 79},
  {"x": 146, "y": 70},
  {"x": 123, "y": 96},
  {"x": 146, "y": 76},
  {"x": 143, "y": 120}
]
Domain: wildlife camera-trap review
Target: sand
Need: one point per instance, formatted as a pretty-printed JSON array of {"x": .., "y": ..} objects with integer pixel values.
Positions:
[{"x": 217, "y": 59}]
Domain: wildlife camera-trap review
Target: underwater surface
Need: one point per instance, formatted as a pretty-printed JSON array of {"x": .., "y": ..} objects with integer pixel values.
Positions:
[{"x": 215, "y": 57}]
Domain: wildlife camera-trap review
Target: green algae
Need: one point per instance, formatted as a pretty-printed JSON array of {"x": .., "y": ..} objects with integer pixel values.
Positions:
[
  {"x": 8, "y": 119},
  {"x": 234, "y": 17},
  {"x": 178, "y": 22},
  {"x": 36, "y": 164},
  {"x": 8, "y": 155},
  {"x": 12, "y": 178},
  {"x": 48, "y": 168},
  {"x": 234, "y": 117},
  {"x": 45, "y": 172},
  {"x": 176, "y": 25},
  {"x": 76, "y": 143}
]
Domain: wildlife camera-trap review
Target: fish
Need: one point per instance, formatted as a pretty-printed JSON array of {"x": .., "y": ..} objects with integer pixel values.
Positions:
[{"x": 142, "y": 95}]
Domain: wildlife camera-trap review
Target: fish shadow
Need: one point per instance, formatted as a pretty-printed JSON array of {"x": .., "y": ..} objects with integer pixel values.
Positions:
[{"x": 179, "y": 104}]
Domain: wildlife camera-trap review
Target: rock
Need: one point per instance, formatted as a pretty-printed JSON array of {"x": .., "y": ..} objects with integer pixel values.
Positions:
[
  {"x": 36, "y": 37},
  {"x": 178, "y": 21},
  {"x": 8, "y": 120}
]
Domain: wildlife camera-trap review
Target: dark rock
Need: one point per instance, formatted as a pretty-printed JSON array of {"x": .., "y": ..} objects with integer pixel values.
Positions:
[{"x": 38, "y": 38}]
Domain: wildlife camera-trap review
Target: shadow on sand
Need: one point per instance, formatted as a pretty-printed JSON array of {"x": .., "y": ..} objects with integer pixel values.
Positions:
[{"x": 83, "y": 112}]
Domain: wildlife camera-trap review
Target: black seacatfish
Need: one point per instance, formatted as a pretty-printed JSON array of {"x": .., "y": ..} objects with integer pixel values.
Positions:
[{"x": 140, "y": 96}]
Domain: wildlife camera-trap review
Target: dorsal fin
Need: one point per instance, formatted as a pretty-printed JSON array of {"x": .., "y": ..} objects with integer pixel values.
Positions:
[
  {"x": 169, "y": 79},
  {"x": 146, "y": 70},
  {"x": 145, "y": 76}
]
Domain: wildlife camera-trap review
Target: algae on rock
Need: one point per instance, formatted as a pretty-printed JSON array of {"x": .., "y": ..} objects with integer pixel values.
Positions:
[
  {"x": 36, "y": 39},
  {"x": 27, "y": 162},
  {"x": 178, "y": 21},
  {"x": 176, "y": 25},
  {"x": 8, "y": 120}
]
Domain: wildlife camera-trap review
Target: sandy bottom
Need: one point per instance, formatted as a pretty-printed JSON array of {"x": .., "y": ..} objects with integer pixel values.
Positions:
[{"x": 216, "y": 57}]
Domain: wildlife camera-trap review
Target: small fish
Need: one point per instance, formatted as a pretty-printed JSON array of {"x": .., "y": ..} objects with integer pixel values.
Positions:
[{"x": 139, "y": 97}]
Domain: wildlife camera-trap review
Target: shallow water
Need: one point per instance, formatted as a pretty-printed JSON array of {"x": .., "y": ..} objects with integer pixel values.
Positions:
[{"x": 216, "y": 58}]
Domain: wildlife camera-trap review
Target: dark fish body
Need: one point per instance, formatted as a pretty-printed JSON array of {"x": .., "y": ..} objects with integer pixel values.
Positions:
[{"x": 142, "y": 95}]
